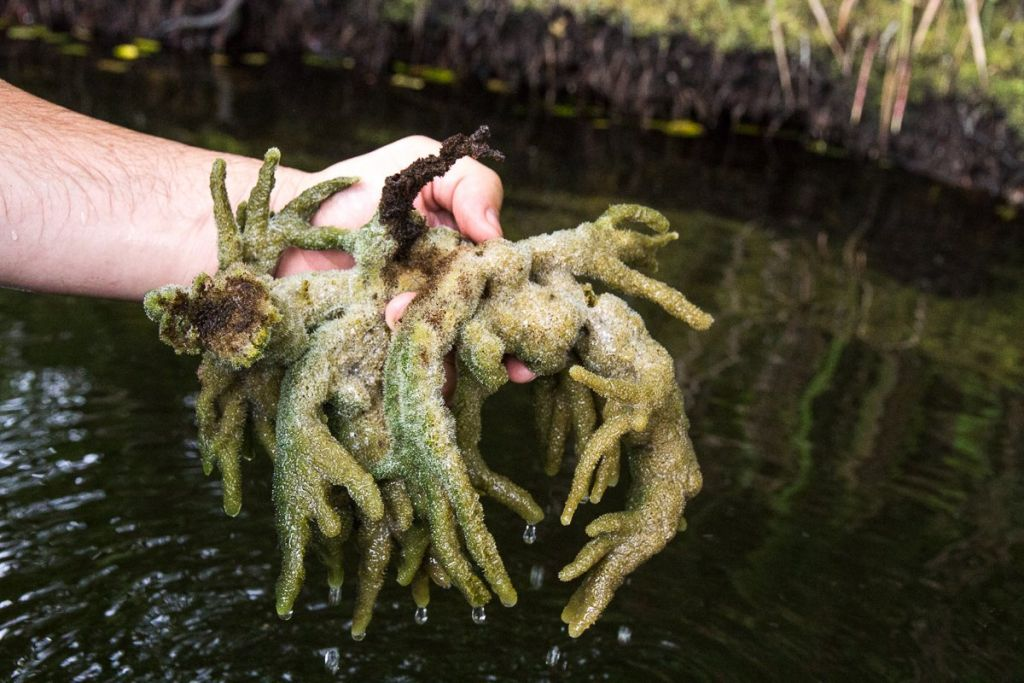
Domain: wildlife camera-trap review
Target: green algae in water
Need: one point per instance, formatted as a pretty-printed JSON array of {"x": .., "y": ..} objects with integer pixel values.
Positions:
[{"x": 366, "y": 452}]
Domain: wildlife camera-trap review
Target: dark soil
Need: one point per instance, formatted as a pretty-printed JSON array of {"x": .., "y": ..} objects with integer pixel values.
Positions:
[
  {"x": 396, "y": 211},
  {"x": 596, "y": 65}
]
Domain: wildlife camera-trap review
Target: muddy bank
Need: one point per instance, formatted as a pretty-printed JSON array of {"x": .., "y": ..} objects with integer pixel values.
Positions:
[{"x": 597, "y": 66}]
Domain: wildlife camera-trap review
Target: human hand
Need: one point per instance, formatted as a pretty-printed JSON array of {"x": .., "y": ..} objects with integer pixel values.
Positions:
[{"x": 468, "y": 198}]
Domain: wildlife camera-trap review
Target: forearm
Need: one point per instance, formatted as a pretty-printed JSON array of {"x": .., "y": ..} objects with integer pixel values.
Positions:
[{"x": 87, "y": 207}]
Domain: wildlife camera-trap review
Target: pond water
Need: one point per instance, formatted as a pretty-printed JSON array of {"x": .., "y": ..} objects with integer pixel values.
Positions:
[{"x": 858, "y": 411}]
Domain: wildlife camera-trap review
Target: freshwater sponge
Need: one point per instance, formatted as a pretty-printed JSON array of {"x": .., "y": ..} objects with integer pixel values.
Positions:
[{"x": 365, "y": 450}]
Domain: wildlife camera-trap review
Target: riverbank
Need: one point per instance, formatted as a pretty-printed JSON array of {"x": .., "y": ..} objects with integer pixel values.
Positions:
[{"x": 935, "y": 89}]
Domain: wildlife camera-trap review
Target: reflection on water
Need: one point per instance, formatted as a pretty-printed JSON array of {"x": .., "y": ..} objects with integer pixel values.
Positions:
[{"x": 858, "y": 410}]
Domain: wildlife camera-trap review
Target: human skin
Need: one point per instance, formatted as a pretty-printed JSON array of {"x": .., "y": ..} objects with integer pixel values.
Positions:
[{"x": 94, "y": 209}]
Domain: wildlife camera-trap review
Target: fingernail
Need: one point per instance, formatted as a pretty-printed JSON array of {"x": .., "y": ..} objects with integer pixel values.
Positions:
[{"x": 491, "y": 216}]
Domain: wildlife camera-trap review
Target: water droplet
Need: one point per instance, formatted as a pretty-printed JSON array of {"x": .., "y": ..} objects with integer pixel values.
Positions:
[
  {"x": 584, "y": 500},
  {"x": 530, "y": 534},
  {"x": 553, "y": 655},
  {"x": 286, "y": 616},
  {"x": 334, "y": 596},
  {"x": 332, "y": 660},
  {"x": 358, "y": 636},
  {"x": 536, "y": 576},
  {"x": 420, "y": 616},
  {"x": 479, "y": 615},
  {"x": 625, "y": 635}
]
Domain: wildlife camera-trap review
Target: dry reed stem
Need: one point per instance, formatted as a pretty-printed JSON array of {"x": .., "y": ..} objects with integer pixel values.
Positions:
[
  {"x": 779, "y": 45},
  {"x": 888, "y": 96},
  {"x": 977, "y": 40},
  {"x": 843, "y": 22},
  {"x": 866, "y": 62},
  {"x": 902, "y": 85},
  {"x": 825, "y": 25},
  {"x": 930, "y": 10},
  {"x": 852, "y": 46}
]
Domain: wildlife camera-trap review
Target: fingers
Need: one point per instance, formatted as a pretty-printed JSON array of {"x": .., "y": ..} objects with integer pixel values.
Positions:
[
  {"x": 468, "y": 197},
  {"x": 518, "y": 372},
  {"x": 295, "y": 261},
  {"x": 473, "y": 194},
  {"x": 393, "y": 312},
  {"x": 470, "y": 192},
  {"x": 395, "y": 309},
  {"x": 436, "y": 218}
]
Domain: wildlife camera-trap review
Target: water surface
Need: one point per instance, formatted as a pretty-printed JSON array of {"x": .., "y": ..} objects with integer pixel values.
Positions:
[{"x": 858, "y": 411}]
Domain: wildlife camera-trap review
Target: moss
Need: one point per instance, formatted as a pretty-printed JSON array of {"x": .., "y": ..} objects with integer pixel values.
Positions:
[{"x": 364, "y": 445}]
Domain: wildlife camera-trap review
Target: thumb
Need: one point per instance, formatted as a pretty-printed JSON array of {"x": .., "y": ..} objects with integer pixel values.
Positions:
[{"x": 473, "y": 194}]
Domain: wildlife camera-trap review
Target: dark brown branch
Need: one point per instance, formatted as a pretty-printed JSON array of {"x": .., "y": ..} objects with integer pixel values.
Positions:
[{"x": 396, "y": 211}]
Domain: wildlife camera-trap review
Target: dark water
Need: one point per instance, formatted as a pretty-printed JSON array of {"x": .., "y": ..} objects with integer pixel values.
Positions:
[{"x": 858, "y": 410}]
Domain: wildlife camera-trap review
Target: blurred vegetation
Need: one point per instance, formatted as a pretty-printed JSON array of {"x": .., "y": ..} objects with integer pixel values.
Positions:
[
  {"x": 934, "y": 86},
  {"x": 896, "y": 49}
]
